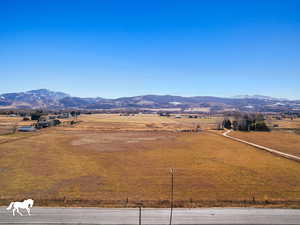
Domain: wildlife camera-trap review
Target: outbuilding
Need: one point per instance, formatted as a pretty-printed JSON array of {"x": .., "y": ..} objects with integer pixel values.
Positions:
[{"x": 26, "y": 129}]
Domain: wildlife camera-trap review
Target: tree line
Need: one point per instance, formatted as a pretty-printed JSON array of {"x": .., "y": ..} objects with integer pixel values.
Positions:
[{"x": 246, "y": 122}]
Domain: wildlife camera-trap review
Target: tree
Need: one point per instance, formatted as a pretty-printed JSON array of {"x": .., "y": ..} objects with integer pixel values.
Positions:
[
  {"x": 248, "y": 122},
  {"x": 261, "y": 126},
  {"x": 36, "y": 115},
  {"x": 14, "y": 128},
  {"x": 235, "y": 125},
  {"x": 73, "y": 113},
  {"x": 227, "y": 124}
]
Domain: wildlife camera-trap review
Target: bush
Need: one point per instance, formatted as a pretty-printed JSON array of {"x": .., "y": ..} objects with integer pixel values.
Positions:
[
  {"x": 35, "y": 116},
  {"x": 261, "y": 126}
]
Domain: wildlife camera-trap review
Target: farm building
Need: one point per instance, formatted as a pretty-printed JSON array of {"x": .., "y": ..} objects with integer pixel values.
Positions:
[
  {"x": 42, "y": 124},
  {"x": 26, "y": 129},
  {"x": 64, "y": 116}
]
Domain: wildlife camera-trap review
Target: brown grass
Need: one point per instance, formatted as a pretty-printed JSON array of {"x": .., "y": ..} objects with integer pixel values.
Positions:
[
  {"x": 287, "y": 123},
  {"x": 109, "y": 122},
  {"x": 90, "y": 164},
  {"x": 7, "y": 124},
  {"x": 287, "y": 142}
]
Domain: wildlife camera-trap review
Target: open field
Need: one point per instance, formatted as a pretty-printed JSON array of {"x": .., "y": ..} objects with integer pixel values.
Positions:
[
  {"x": 7, "y": 124},
  {"x": 286, "y": 124},
  {"x": 287, "y": 142},
  {"x": 117, "y": 159},
  {"x": 144, "y": 122}
]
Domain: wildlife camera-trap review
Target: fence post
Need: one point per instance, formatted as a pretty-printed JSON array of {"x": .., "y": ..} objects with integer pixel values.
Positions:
[
  {"x": 140, "y": 215},
  {"x": 140, "y": 212},
  {"x": 172, "y": 193}
]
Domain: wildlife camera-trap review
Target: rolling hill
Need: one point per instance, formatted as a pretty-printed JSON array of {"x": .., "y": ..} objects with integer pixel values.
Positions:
[{"x": 44, "y": 98}]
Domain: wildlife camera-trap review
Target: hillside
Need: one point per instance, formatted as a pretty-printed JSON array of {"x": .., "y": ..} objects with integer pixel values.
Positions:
[
  {"x": 44, "y": 98},
  {"x": 41, "y": 98}
]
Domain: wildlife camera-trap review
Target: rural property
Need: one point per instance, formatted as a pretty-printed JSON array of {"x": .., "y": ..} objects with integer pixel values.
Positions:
[{"x": 113, "y": 160}]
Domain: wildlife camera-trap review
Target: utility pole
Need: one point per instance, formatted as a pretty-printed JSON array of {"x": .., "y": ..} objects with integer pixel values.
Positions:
[
  {"x": 172, "y": 171},
  {"x": 140, "y": 204},
  {"x": 140, "y": 215}
]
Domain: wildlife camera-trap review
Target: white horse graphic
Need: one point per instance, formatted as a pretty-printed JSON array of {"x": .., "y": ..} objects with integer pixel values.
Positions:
[{"x": 26, "y": 204}]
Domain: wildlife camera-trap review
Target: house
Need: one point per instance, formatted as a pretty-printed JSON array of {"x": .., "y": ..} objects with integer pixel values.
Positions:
[
  {"x": 164, "y": 114},
  {"x": 64, "y": 116},
  {"x": 54, "y": 122},
  {"x": 42, "y": 124}
]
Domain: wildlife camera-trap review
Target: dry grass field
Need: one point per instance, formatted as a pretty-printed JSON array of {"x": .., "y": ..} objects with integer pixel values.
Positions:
[
  {"x": 120, "y": 158},
  {"x": 144, "y": 122},
  {"x": 8, "y": 125},
  {"x": 287, "y": 123},
  {"x": 284, "y": 141}
]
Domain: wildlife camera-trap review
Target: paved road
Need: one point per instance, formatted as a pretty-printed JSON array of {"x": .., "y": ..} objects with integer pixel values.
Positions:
[
  {"x": 153, "y": 216},
  {"x": 273, "y": 151}
]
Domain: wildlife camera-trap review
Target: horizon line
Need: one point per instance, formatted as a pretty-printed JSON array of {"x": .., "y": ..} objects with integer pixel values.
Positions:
[{"x": 185, "y": 96}]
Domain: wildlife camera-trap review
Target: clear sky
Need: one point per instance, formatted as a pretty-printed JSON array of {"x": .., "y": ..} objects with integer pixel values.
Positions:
[{"x": 110, "y": 48}]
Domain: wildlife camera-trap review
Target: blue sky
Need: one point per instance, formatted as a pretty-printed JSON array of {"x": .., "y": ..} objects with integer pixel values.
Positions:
[{"x": 127, "y": 48}]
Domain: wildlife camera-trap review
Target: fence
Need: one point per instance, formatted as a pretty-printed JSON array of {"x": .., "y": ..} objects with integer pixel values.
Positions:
[{"x": 65, "y": 202}]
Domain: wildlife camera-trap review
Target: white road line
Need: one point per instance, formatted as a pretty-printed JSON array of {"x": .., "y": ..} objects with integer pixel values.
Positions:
[{"x": 273, "y": 151}]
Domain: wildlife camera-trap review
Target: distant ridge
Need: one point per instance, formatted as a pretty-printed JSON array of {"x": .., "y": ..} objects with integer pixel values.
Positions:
[
  {"x": 44, "y": 98},
  {"x": 41, "y": 98},
  {"x": 260, "y": 97}
]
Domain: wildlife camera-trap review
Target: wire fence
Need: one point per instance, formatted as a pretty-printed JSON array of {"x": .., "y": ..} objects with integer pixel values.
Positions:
[{"x": 190, "y": 203}]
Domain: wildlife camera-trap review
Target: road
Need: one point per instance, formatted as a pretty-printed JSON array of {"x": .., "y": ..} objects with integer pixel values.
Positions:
[
  {"x": 273, "y": 151},
  {"x": 153, "y": 216}
]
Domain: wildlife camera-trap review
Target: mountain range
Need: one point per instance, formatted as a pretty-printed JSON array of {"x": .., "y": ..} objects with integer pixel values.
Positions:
[{"x": 44, "y": 98}]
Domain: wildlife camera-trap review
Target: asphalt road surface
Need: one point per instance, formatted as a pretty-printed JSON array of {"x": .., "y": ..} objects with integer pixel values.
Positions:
[{"x": 41, "y": 215}]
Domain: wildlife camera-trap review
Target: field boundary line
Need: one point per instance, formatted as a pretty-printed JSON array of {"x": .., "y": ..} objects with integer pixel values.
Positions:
[{"x": 273, "y": 151}]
